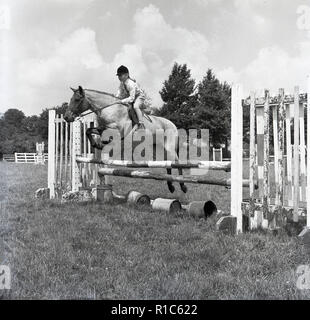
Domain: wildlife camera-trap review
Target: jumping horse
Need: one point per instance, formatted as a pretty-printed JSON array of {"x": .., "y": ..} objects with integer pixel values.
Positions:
[{"x": 113, "y": 115}]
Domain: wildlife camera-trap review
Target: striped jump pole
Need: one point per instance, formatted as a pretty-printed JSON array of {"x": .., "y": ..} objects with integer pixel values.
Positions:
[{"x": 211, "y": 165}]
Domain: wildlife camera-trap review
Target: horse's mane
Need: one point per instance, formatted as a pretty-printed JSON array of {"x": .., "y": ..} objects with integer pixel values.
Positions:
[{"x": 101, "y": 92}]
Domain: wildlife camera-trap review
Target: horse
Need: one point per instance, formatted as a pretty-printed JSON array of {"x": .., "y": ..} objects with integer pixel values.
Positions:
[{"x": 111, "y": 114}]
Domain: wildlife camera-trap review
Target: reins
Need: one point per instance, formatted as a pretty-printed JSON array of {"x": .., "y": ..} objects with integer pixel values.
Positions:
[
  {"x": 97, "y": 109},
  {"x": 122, "y": 138}
]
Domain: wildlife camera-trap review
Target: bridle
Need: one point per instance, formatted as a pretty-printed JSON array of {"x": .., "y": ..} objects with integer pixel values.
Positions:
[
  {"x": 98, "y": 109},
  {"x": 93, "y": 107}
]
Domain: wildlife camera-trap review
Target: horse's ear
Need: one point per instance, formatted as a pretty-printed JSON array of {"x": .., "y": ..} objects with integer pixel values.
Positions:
[
  {"x": 81, "y": 91},
  {"x": 72, "y": 89}
]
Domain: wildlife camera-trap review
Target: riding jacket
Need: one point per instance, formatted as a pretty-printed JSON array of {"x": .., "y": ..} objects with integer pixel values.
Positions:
[{"x": 129, "y": 91}]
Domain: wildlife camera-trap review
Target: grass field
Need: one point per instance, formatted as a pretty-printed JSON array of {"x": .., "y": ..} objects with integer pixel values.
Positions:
[{"x": 93, "y": 251}]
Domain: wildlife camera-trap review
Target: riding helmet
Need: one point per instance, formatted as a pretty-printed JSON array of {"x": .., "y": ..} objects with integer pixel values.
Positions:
[{"x": 121, "y": 70}]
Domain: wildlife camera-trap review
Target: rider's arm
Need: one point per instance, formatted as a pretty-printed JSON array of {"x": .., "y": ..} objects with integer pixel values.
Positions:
[
  {"x": 132, "y": 92},
  {"x": 119, "y": 93}
]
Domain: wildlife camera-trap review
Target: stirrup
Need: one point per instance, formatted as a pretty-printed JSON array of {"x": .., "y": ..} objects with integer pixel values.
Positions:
[{"x": 141, "y": 126}]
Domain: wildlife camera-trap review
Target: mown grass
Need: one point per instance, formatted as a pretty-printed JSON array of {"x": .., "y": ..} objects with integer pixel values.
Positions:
[{"x": 79, "y": 251}]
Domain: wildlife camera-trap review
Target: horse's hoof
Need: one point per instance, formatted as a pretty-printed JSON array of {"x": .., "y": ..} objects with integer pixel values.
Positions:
[
  {"x": 98, "y": 146},
  {"x": 171, "y": 188},
  {"x": 184, "y": 188}
]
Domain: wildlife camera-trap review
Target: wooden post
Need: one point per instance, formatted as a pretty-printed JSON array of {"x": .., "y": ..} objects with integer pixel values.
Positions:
[
  {"x": 266, "y": 188},
  {"x": 66, "y": 150},
  {"x": 296, "y": 154},
  {"x": 76, "y": 150},
  {"x": 97, "y": 153},
  {"x": 275, "y": 132},
  {"x": 302, "y": 146},
  {"x": 56, "y": 149},
  {"x": 51, "y": 153},
  {"x": 61, "y": 149},
  {"x": 289, "y": 174},
  {"x": 252, "y": 158},
  {"x": 308, "y": 153},
  {"x": 260, "y": 149},
  {"x": 236, "y": 154},
  {"x": 217, "y": 152},
  {"x": 70, "y": 151},
  {"x": 84, "y": 168},
  {"x": 305, "y": 234},
  {"x": 280, "y": 186}
]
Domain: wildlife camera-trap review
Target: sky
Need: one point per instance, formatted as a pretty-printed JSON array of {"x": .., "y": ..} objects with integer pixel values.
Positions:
[{"x": 48, "y": 46}]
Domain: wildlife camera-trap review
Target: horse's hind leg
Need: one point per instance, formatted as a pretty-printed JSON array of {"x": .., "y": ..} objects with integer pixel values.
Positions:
[
  {"x": 172, "y": 147},
  {"x": 171, "y": 186},
  {"x": 169, "y": 183},
  {"x": 172, "y": 150},
  {"x": 182, "y": 184}
]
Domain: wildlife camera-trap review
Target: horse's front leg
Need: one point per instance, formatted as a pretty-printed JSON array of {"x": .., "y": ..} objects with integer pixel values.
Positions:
[{"x": 93, "y": 142}]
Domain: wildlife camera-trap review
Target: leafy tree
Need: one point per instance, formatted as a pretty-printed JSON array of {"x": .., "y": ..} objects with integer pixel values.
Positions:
[
  {"x": 147, "y": 104},
  {"x": 62, "y": 109},
  {"x": 19, "y": 133},
  {"x": 213, "y": 108},
  {"x": 42, "y": 125},
  {"x": 178, "y": 97},
  {"x": 13, "y": 117}
]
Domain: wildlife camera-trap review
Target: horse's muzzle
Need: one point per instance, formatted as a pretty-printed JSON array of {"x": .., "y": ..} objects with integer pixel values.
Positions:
[{"x": 69, "y": 117}]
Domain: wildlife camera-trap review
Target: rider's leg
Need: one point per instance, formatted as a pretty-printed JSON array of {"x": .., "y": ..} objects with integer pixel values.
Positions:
[{"x": 137, "y": 106}]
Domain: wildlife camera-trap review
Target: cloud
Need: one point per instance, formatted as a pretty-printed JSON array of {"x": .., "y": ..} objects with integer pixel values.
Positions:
[
  {"x": 77, "y": 53},
  {"x": 205, "y": 3},
  {"x": 62, "y": 50},
  {"x": 71, "y": 2},
  {"x": 75, "y": 59},
  {"x": 248, "y": 4},
  {"x": 156, "y": 46},
  {"x": 273, "y": 68},
  {"x": 168, "y": 45},
  {"x": 106, "y": 16},
  {"x": 179, "y": 43},
  {"x": 131, "y": 55}
]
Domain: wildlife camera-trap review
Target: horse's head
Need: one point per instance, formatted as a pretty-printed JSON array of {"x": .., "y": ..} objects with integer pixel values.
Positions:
[{"x": 78, "y": 104}]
